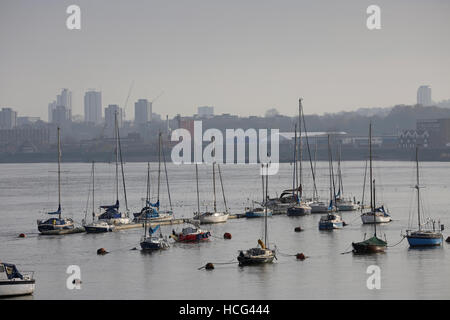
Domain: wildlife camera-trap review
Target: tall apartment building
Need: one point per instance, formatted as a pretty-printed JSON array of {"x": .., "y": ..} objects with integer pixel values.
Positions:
[
  {"x": 424, "y": 96},
  {"x": 8, "y": 118},
  {"x": 142, "y": 111},
  {"x": 93, "y": 107}
]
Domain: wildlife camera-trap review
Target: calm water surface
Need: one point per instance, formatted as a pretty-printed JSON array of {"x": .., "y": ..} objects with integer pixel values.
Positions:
[{"x": 27, "y": 191}]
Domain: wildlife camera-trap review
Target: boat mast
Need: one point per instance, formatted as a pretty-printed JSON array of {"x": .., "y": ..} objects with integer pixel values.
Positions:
[
  {"x": 223, "y": 191},
  {"x": 123, "y": 174},
  {"x": 159, "y": 168},
  {"x": 147, "y": 199},
  {"x": 294, "y": 164},
  {"x": 418, "y": 187},
  {"x": 59, "y": 173},
  {"x": 330, "y": 172},
  {"x": 265, "y": 207},
  {"x": 372, "y": 183},
  {"x": 300, "y": 157},
  {"x": 370, "y": 168},
  {"x": 198, "y": 196},
  {"x": 93, "y": 192},
  {"x": 214, "y": 186},
  {"x": 313, "y": 169},
  {"x": 117, "y": 155}
]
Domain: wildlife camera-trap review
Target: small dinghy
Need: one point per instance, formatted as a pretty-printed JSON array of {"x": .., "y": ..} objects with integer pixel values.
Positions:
[
  {"x": 14, "y": 283},
  {"x": 191, "y": 234},
  {"x": 331, "y": 221},
  {"x": 257, "y": 212}
]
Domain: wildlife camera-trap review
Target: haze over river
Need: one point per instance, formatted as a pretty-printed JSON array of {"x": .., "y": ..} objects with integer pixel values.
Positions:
[{"x": 28, "y": 191}]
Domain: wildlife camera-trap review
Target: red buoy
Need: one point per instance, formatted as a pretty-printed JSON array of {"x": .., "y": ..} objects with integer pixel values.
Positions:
[
  {"x": 227, "y": 235},
  {"x": 300, "y": 256},
  {"x": 102, "y": 251},
  {"x": 22, "y": 235},
  {"x": 209, "y": 266},
  {"x": 298, "y": 229}
]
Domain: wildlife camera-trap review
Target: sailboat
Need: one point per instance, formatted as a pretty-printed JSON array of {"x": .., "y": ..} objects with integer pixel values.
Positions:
[
  {"x": 150, "y": 210},
  {"x": 300, "y": 208},
  {"x": 342, "y": 203},
  {"x": 112, "y": 214},
  {"x": 214, "y": 216},
  {"x": 96, "y": 226},
  {"x": 426, "y": 235},
  {"x": 373, "y": 244},
  {"x": 376, "y": 214},
  {"x": 59, "y": 223},
  {"x": 261, "y": 209},
  {"x": 262, "y": 254},
  {"x": 331, "y": 220}
]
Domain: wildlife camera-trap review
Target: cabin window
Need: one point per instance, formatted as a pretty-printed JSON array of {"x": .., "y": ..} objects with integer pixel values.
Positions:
[{"x": 2, "y": 268}]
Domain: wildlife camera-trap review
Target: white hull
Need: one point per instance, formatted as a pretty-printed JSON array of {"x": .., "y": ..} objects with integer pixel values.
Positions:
[
  {"x": 216, "y": 217},
  {"x": 348, "y": 207},
  {"x": 16, "y": 289},
  {"x": 369, "y": 218},
  {"x": 117, "y": 221}
]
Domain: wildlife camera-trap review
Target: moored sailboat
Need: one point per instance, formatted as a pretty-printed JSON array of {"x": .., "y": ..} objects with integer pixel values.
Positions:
[
  {"x": 263, "y": 254},
  {"x": 373, "y": 244},
  {"x": 58, "y": 225},
  {"x": 426, "y": 235},
  {"x": 214, "y": 216},
  {"x": 112, "y": 214},
  {"x": 15, "y": 283}
]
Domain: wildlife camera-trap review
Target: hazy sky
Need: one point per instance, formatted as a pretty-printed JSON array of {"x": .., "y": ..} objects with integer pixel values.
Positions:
[{"x": 241, "y": 56}]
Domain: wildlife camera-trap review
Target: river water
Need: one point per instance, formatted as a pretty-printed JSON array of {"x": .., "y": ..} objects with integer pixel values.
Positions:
[{"x": 27, "y": 191}]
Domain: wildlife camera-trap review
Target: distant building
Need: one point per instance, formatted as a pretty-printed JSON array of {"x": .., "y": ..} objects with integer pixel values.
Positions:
[
  {"x": 409, "y": 139},
  {"x": 110, "y": 112},
  {"x": 8, "y": 118},
  {"x": 438, "y": 130},
  {"x": 93, "y": 107},
  {"x": 23, "y": 121},
  {"x": 205, "y": 112},
  {"x": 64, "y": 99},
  {"x": 60, "y": 115},
  {"x": 424, "y": 96},
  {"x": 24, "y": 139},
  {"x": 142, "y": 111}
]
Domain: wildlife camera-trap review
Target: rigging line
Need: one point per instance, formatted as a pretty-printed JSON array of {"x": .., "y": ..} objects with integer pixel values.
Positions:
[
  {"x": 223, "y": 192},
  {"x": 167, "y": 177},
  {"x": 121, "y": 165},
  {"x": 309, "y": 153}
]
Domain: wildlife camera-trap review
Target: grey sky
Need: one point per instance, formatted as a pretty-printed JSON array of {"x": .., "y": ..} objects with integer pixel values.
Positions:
[{"x": 243, "y": 57}]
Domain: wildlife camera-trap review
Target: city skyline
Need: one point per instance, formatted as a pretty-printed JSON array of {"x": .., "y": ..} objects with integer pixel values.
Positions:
[{"x": 242, "y": 58}]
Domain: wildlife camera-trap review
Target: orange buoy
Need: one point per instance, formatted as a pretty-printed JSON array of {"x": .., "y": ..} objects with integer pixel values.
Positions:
[
  {"x": 227, "y": 235},
  {"x": 22, "y": 235},
  {"x": 298, "y": 229},
  {"x": 300, "y": 256},
  {"x": 102, "y": 251},
  {"x": 209, "y": 266},
  {"x": 448, "y": 239}
]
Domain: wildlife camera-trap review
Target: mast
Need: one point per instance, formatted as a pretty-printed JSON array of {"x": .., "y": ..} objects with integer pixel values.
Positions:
[
  {"x": 418, "y": 187},
  {"x": 223, "y": 191},
  {"x": 159, "y": 168},
  {"x": 214, "y": 186},
  {"x": 374, "y": 214},
  {"x": 370, "y": 169},
  {"x": 117, "y": 155},
  {"x": 294, "y": 163},
  {"x": 167, "y": 176},
  {"x": 313, "y": 169},
  {"x": 265, "y": 207},
  {"x": 147, "y": 199},
  {"x": 300, "y": 157},
  {"x": 123, "y": 174},
  {"x": 59, "y": 173},
  {"x": 198, "y": 196},
  {"x": 330, "y": 172},
  {"x": 93, "y": 192}
]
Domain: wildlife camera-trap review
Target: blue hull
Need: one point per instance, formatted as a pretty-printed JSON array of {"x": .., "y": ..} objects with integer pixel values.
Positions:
[
  {"x": 330, "y": 225},
  {"x": 257, "y": 214},
  {"x": 424, "y": 242}
]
